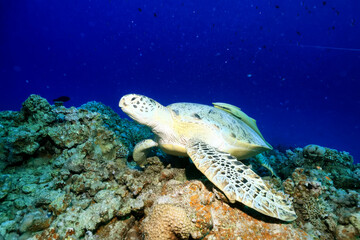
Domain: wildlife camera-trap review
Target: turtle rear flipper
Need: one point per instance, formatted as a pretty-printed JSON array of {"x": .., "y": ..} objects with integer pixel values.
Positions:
[{"x": 238, "y": 182}]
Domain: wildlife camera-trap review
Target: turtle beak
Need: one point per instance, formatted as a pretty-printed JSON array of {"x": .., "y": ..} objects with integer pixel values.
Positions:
[
  {"x": 126, "y": 107},
  {"x": 122, "y": 103}
]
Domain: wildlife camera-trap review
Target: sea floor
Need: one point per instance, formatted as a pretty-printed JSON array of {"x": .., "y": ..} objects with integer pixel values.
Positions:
[{"x": 67, "y": 173}]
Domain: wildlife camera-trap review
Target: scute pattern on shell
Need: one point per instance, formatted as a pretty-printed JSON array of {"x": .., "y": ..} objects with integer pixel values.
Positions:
[{"x": 216, "y": 119}]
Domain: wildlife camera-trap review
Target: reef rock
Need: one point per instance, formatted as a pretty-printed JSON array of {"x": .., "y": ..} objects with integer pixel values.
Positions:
[
  {"x": 190, "y": 208},
  {"x": 67, "y": 173}
]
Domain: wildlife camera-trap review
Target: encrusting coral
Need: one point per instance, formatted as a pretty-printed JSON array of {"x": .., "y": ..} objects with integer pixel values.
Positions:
[{"x": 66, "y": 173}]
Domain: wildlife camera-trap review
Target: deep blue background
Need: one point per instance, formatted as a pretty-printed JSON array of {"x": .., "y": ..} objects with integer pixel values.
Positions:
[{"x": 292, "y": 65}]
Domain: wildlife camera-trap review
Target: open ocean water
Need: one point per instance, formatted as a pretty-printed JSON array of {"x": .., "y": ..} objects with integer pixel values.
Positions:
[{"x": 292, "y": 65}]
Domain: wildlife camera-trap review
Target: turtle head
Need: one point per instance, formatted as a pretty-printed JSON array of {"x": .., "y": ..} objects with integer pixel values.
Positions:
[{"x": 140, "y": 108}]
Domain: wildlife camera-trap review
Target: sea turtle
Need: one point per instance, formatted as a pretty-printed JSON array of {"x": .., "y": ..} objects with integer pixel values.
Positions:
[{"x": 214, "y": 140}]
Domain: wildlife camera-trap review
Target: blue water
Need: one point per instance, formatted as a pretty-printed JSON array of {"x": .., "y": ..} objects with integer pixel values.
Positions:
[{"x": 292, "y": 65}]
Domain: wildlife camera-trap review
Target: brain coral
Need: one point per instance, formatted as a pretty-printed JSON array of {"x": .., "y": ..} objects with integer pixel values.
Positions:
[
  {"x": 167, "y": 222},
  {"x": 314, "y": 151}
]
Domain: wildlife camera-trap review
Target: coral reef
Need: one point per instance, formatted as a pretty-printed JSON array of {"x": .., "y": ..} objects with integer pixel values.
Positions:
[
  {"x": 128, "y": 132},
  {"x": 67, "y": 173},
  {"x": 325, "y": 186},
  {"x": 208, "y": 217}
]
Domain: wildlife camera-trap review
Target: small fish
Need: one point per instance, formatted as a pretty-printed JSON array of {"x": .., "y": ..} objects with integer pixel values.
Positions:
[
  {"x": 318, "y": 168},
  {"x": 61, "y": 99}
]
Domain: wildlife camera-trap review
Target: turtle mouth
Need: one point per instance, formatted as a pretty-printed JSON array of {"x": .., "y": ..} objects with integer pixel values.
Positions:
[
  {"x": 122, "y": 103},
  {"x": 127, "y": 111}
]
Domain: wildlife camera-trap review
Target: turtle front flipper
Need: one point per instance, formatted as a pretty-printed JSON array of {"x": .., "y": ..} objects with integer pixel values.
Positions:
[
  {"x": 239, "y": 182},
  {"x": 140, "y": 151}
]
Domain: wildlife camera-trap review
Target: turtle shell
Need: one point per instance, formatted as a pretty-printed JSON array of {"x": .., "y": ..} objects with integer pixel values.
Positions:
[{"x": 217, "y": 128}]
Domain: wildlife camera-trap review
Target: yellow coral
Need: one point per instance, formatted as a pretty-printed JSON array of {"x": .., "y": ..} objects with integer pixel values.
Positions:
[{"x": 167, "y": 222}]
